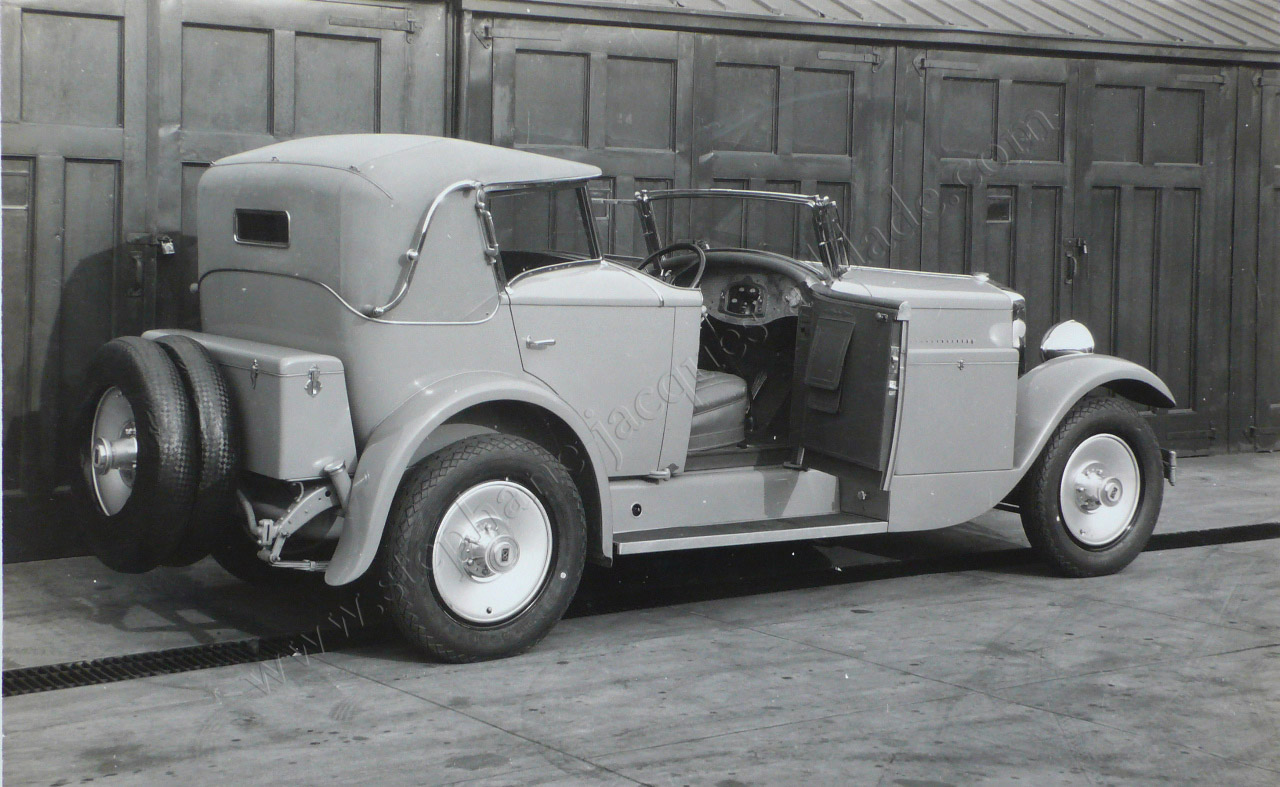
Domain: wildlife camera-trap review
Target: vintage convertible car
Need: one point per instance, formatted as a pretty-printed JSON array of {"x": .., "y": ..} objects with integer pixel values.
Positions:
[{"x": 416, "y": 366}]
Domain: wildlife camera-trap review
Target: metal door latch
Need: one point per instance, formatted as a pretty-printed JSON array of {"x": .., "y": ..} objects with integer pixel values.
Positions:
[
  {"x": 1077, "y": 251},
  {"x": 313, "y": 381}
]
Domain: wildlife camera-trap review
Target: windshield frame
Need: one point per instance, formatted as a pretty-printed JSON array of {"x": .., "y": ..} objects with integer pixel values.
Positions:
[
  {"x": 824, "y": 213},
  {"x": 492, "y": 248}
]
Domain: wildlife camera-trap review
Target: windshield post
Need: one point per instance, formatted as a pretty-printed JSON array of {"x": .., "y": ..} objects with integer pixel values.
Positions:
[
  {"x": 593, "y": 240},
  {"x": 647, "y": 223}
]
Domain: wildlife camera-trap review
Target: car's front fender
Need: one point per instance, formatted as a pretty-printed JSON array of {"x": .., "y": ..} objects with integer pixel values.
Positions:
[
  {"x": 394, "y": 443},
  {"x": 1047, "y": 392}
]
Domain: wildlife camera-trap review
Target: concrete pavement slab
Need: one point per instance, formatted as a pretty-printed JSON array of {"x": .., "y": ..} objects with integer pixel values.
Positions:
[
  {"x": 77, "y": 608},
  {"x": 1057, "y": 685},
  {"x": 294, "y": 722},
  {"x": 971, "y": 739},
  {"x": 1233, "y": 585},
  {"x": 1226, "y": 705},
  {"x": 987, "y": 644},
  {"x": 702, "y": 679}
]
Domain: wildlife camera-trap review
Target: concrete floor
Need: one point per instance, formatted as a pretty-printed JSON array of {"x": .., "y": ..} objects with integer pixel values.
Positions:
[{"x": 1169, "y": 671}]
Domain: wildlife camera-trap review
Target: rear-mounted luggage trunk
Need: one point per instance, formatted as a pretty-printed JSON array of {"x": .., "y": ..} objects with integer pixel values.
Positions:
[
  {"x": 292, "y": 403},
  {"x": 848, "y": 361}
]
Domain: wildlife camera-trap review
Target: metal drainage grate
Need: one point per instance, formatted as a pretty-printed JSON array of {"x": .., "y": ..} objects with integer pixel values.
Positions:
[{"x": 72, "y": 674}]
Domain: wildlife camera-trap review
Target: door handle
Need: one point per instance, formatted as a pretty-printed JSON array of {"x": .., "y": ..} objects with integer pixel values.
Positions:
[
  {"x": 139, "y": 275},
  {"x": 1078, "y": 250},
  {"x": 538, "y": 344}
]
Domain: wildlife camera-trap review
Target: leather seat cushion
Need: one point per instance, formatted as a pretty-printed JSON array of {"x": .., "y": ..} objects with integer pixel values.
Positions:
[{"x": 720, "y": 405}]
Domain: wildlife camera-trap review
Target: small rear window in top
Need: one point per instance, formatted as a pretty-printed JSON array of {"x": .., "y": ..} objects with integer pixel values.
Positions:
[{"x": 262, "y": 227}]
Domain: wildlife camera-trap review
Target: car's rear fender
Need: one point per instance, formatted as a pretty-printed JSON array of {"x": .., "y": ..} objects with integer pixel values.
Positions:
[
  {"x": 1047, "y": 392},
  {"x": 409, "y": 434}
]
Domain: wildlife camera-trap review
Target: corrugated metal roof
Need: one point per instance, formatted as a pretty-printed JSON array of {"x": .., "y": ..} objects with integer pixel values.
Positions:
[{"x": 1228, "y": 24}]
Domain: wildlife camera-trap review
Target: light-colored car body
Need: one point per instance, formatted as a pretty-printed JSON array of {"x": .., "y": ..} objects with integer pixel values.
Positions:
[{"x": 383, "y": 329}]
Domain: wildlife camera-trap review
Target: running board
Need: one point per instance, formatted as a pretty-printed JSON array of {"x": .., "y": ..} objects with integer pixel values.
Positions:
[{"x": 736, "y": 533}]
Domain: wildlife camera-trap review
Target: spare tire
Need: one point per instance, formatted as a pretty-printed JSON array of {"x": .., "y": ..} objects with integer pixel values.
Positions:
[
  {"x": 219, "y": 448},
  {"x": 138, "y": 454}
]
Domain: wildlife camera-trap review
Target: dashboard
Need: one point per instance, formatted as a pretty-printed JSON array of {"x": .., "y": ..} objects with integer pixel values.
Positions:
[{"x": 739, "y": 293}]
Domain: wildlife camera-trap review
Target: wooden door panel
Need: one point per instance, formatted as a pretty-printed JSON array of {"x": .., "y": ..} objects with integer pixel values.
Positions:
[
  {"x": 236, "y": 76},
  {"x": 74, "y": 160},
  {"x": 619, "y": 99},
  {"x": 998, "y": 175},
  {"x": 1154, "y": 208},
  {"x": 796, "y": 117},
  {"x": 1267, "y": 368}
]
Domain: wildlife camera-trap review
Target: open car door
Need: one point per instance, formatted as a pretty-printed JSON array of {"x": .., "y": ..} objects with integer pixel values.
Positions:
[{"x": 847, "y": 378}]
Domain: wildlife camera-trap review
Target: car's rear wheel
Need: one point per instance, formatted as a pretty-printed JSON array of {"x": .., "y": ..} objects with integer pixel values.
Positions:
[
  {"x": 1092, "y": 497},
  {"x": 138, "y": 454},
  {"x": 484, "y": 548}
]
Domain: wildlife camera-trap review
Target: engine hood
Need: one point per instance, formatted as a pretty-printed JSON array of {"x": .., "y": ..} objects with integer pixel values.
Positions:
[{"x": 922, "y": 290}]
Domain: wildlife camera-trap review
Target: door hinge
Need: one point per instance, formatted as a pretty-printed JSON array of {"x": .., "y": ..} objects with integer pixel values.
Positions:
[
  {"x": 485, "y": 34},
  {"x": 853, "y": 57},
  {"x": 1262, "y": 80},
  {"x": 921, "y": 63},
  {"x": 408, "y": 25},
  {"x": 1219, "y": 79}
]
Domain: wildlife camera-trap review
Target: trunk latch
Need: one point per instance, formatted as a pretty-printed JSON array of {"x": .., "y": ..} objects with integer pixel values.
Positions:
[{"x": 313, "y": 381}]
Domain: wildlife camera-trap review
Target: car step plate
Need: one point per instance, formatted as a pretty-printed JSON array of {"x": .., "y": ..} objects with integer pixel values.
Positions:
[{"x": 737, "y": 533}]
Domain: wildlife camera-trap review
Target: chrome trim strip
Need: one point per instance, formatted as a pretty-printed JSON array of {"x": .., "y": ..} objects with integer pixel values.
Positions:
[
  {"x": 414, "y": 252},
  {"x": 559, "y": 266},
  {"x": 814, "y": 200},
  {"x": 732, "y": 534}
]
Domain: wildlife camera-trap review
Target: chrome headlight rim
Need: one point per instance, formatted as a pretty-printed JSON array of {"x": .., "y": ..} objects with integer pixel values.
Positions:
[{"x": 1069, "y": 337}]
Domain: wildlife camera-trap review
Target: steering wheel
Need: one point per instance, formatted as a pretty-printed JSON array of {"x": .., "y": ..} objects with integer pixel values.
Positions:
[{"x": 667, "y": 269}]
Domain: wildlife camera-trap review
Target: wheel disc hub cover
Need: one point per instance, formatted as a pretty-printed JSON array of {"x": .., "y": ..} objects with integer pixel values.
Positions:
[
  {"x": 492, "y": 552},
  {"x": 111, "y": 462},
  {"x": 1099, "y": 490}
]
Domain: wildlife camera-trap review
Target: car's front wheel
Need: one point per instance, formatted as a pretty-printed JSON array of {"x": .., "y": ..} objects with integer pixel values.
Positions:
[
  {"x": 484, "y": 548},
  {"x": 1092, "y": 497}
]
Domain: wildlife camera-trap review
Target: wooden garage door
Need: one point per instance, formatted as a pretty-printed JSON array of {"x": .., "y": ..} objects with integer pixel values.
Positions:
[
  {"x": 1155, "y": 208},
  {"x": 999, "y": 160},
  {"x": 74, "y": 159},
  {"x": 106, "y": 131},
  {"x": 1267, "y": 418},
  {"x": 616, "y": 98},
  {"x": 239, "y": 74},
  {"x": 794, "y": 116},
  {"x": 1102, "y": 192}
]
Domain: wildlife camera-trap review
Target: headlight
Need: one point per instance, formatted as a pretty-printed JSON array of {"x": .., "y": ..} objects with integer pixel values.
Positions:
[
  {"x": 1019, "y": 320},
  {"x": 1066, "y": 338}
]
